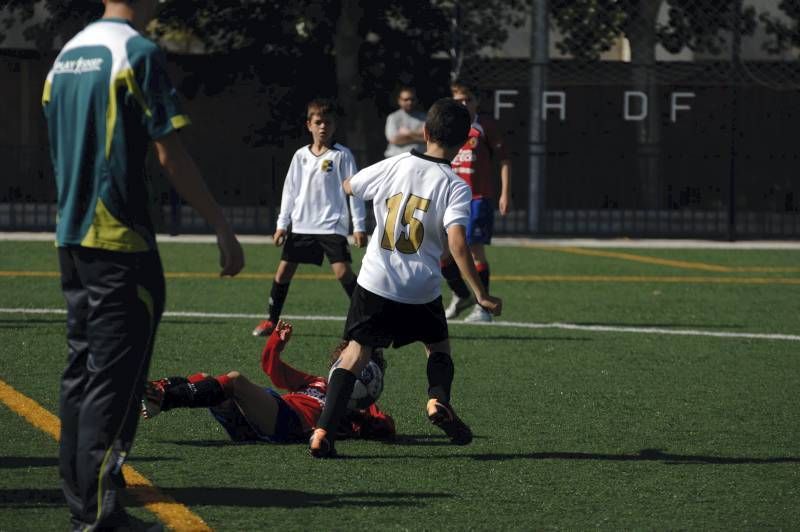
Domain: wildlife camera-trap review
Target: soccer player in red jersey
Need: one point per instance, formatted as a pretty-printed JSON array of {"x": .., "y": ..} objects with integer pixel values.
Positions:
[
  {"x": 475, "y": 163},
  {"x": 250, "y": 412}
]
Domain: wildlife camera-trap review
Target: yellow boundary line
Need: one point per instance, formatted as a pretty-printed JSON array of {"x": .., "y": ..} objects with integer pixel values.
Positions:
[
  {"x": 644, "y": 259},
  {"x": 670, "y": 262},
  {"x": 509, "y": 278},
  {"x": 173, "y": 514}
]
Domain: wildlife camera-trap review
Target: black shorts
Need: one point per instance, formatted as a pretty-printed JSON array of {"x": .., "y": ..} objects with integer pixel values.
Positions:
[
  {"x": 379, "y": 322},
  {"x": 308, "y": 249}
]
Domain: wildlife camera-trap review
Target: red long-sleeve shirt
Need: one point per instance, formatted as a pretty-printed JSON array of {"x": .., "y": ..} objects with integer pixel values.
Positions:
[
  {"x": 475, "y": 161},
  {"x": 306, "y": 395}
]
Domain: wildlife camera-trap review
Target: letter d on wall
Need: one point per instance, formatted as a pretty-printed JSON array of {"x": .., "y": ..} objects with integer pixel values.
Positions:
[{"x": 642, "y": 97}]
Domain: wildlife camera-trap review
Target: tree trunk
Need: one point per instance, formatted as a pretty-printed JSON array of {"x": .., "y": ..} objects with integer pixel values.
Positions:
[{"x": 346, "y": 43}]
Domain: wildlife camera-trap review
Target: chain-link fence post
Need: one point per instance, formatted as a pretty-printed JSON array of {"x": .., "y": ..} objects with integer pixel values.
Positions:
[{"x": 537, "y": 138}]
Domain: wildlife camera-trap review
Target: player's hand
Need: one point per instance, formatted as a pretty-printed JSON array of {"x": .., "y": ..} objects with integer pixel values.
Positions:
[
  {"x": 231, "y": 255},
  {"x": 360, "y": 239},
  {"x": 284, "y": 330},
  {"x": 504, "y": 204},
  {"x": 492, "y": 304},
  {"x": 279, "y": 237}
]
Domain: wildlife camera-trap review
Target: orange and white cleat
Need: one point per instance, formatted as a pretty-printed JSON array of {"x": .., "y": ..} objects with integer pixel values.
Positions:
[{"x": 443, "y": 416}]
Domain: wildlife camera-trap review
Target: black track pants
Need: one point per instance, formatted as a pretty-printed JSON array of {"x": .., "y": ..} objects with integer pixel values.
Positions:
[{"x": 114, "y": 304}]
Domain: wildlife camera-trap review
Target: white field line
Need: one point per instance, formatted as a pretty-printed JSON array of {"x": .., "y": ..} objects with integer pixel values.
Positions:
[
  {"x": 511, "y": 324},
  {"x": 628, "y": 243}
]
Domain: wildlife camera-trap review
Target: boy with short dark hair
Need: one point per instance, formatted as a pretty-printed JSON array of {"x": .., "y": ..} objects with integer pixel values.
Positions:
[
  {"x": 475, "y": 163},
  {"x": 420, "y": 206},
  {"x": 315, "y": 206}
]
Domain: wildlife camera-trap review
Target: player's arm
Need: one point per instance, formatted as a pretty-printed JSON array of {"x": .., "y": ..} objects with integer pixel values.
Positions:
[
  {"x": 288, "y": 198},
  {"x": 282, "y": 374},
  {"x": 358, "y": 211},
  {"x": 348, "y": 188},
  {"x": 185, "y": 177},
  {"x": 505, "y": 186},
  {"x": 457, "y": 242},
  {"x": 499, "y": 153}
]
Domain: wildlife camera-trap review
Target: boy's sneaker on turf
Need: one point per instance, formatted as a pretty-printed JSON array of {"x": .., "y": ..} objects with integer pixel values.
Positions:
[
  {"x": 443, "y": 416},
  {"x": 478, "y": 315},
  {"x": 264, "y": 328},
  {"x": 319, "y": 446},
  {"x": 153, "y": 398},
  {"x": 457, "y": 306}
]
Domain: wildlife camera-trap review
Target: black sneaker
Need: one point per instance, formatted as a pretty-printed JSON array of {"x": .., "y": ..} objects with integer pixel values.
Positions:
[
  {"x": 443, "y": 416},
  {"x": 153, "y": 398}
]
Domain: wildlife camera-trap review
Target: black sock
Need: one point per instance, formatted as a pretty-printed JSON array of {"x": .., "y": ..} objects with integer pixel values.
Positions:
[
  {"x": 349, "y": 285},
  {"x": 175, "y": 381},
  {"x": 484, "y": 276},
  {"x": 205, "y": 393},
  {"x": 440, "y": 376},
  {"x": 452, "y": 275},
  {"x": 277, "y": 297},
  {"x": 340, "y": 388}
]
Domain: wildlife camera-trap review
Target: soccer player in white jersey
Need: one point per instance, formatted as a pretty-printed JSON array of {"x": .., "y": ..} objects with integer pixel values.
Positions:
[
  {"x": 420, "y": 206},
  {"x": 314, "y": 204}
]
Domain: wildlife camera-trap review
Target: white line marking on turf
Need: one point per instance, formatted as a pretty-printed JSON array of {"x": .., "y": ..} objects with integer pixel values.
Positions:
[{"x": 512, "y": 324}]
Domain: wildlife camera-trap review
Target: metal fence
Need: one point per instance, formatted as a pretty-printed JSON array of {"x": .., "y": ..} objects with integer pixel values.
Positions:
[
  {"x": 672, "y": 118},
  {"x": 641, "y": 118}
]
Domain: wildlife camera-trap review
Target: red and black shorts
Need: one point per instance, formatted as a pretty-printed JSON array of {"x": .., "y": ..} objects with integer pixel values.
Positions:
[{"x": 309, "y": 249}]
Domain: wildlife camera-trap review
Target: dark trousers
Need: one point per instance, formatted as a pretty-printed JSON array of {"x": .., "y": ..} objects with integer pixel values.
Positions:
[{"x": 114, "y": 304}]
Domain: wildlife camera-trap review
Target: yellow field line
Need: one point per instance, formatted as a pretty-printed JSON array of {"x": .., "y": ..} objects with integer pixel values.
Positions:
[
  {"x": 173, "y": 514},
  {"x": 644, "y": 259}
]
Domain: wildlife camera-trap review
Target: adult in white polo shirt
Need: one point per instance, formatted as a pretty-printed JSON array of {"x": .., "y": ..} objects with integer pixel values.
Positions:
[{"x": 404, "y": 127}]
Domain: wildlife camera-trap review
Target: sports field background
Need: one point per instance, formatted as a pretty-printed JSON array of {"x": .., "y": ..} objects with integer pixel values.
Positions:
[{"x": 606, "y": 421}]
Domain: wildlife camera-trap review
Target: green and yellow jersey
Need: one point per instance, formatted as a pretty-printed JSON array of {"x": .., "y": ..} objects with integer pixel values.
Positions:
[{"x": 105, "y": 97}]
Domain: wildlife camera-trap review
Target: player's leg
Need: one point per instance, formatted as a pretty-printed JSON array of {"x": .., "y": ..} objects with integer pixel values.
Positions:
[
  {"x": 353, "y": 359},
  {"x": 73, "y": 380},
  {"x": 369, "y": 322},
  {"x": 345, "y": 275},
  {"x": 126, "y": 300},
  {"x": 298, "y": 249},
  {"x": 441, "y": 370},
  {"x": 482, "y": 219},
  {"x": 258, "y": 406},
  {"x": 196, "y": 391},
  {"x": 430, "y": 326},
  {"x": 338, "y": 252}
]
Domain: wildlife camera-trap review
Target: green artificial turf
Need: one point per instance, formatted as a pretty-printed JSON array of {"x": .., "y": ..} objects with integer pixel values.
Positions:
[{"x": 575, "y": 429}]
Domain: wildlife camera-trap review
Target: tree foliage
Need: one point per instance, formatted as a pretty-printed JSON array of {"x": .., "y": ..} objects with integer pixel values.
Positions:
[
  {"x": 784, "y": 31},
  {"x": 590, "y": 27}
]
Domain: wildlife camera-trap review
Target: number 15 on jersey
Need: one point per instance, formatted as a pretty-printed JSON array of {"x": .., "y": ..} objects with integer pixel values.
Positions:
[{"x": 413, "y": 232}]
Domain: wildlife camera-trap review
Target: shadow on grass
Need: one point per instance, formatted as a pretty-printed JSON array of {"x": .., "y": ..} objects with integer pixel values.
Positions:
[
  {"x": 20, "y": 462},
  {"x": 278, "y": 498},
  {"x": 645, "y": 455}
]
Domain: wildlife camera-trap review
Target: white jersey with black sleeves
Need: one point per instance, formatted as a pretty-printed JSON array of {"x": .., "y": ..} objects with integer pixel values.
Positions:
[
  {"x": 415, "y": 199},
  {"x": 313, "y": 200}
]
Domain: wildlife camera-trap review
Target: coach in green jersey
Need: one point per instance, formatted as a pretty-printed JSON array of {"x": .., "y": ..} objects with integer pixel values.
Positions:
[{"x": 106, "y": 98}]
